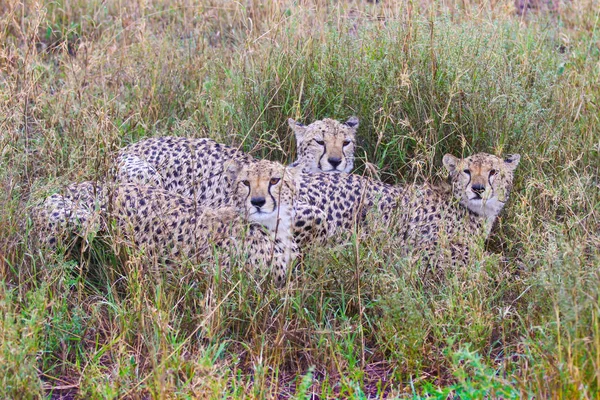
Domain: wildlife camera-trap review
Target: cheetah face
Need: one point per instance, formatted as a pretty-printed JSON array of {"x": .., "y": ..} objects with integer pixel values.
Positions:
[
  {"x": 482, "y": 182},
  {"x": 327, "y": 145},
  {"x": 264, "y": 191}
]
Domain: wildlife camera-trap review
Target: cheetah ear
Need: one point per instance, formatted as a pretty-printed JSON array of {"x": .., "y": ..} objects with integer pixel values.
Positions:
[
  {"x": 298, "y": 128},
  {"x": 450, "y": 162},
  {"x": 352, "y": 123},
  {"x": 232, "y": 169},
  {"x": 511, "y": 161}
]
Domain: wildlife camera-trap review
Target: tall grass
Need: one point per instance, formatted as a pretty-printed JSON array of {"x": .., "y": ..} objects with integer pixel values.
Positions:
[{"x": 80, "y": 79}]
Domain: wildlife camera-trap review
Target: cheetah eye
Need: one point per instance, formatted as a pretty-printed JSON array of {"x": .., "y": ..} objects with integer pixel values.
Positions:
[
  {"x": 274, "y": 181},
  {"x": 493, "y": 172},
  {"x": 346, "y": 142},
  {"x": 321, "y": 142},
  {"x": 246, "y": 183},
  {"x": 466, "y": 171}
]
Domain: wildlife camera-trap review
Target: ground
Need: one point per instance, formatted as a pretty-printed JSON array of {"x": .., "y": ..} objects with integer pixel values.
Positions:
[{"x": 80, "y": 79}]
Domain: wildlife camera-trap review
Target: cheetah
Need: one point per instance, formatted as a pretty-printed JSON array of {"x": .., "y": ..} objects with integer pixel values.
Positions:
[
  {"x": 165, "y": 225},
  {"x": 419, "y": 216},
  {"x": 461, "y": 215},
  {"x": 325, "y": 145}
]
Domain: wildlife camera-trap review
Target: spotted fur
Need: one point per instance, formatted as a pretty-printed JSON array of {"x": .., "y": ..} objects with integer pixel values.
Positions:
[
  {"x": 326, "y": 205},
  {"x": 426, "y": 220},
  {"x": 60, "y": 217},
  {"x": 193, "y": 168},
  {"x": 332, "y": 204}
]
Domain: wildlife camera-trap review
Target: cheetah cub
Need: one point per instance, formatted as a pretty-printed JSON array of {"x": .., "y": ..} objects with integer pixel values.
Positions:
[
  {"x": 429, "y": 216},
  {"x": 265, "y": 192},
  {"x": 164, "y": 225},
  {"x": 419, "y": 216},
  {"x": 325, "y": 145}
]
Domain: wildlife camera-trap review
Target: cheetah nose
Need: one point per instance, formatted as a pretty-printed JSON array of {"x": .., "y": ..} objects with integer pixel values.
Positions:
[
  {"x": 478, "y": 189},
  {"x": 334, "y": 161},
  {"x": 258, "y": 201}
]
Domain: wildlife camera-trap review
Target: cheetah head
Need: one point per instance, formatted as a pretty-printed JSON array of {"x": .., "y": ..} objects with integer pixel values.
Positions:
[
  {"x": 326, "y": 145},
  {"x": 264, "y": 191},
  {"x": 482, "y": 182}
]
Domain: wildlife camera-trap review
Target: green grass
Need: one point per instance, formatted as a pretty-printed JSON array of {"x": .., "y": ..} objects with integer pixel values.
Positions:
[{"x": 80, "y": 79}]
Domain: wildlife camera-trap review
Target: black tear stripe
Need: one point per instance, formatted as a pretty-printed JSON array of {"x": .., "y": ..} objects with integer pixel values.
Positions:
[
  {"x": 491, "y": 186},
  {"x": 490, "y": 181},
  {"x": 322, "y": 155},
  {"x": 248, "y": 195},
  {"x": 272, "y": 198}
]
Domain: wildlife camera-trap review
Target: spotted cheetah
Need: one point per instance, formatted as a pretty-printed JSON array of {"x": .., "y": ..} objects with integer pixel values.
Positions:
[
  {"x": 325, "y": 145},
  {"x": 165, "y": 225},
  {"x": 419, "y": 216},
  {"x": 429, "y": 216}
]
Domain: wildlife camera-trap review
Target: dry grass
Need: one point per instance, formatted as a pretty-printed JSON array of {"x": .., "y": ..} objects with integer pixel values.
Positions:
[{"x": 79, "y": 79}]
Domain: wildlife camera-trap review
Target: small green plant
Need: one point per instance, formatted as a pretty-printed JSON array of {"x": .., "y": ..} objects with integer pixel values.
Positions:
[{"x": 475, "y": 380}]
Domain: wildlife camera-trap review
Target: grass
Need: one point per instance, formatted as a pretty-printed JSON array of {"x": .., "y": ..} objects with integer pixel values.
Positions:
[{"x": 80, "y": 79}]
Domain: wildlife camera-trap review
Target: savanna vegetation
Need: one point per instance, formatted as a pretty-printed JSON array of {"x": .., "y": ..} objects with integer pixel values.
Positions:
[{"x": 79, "y": 79}]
